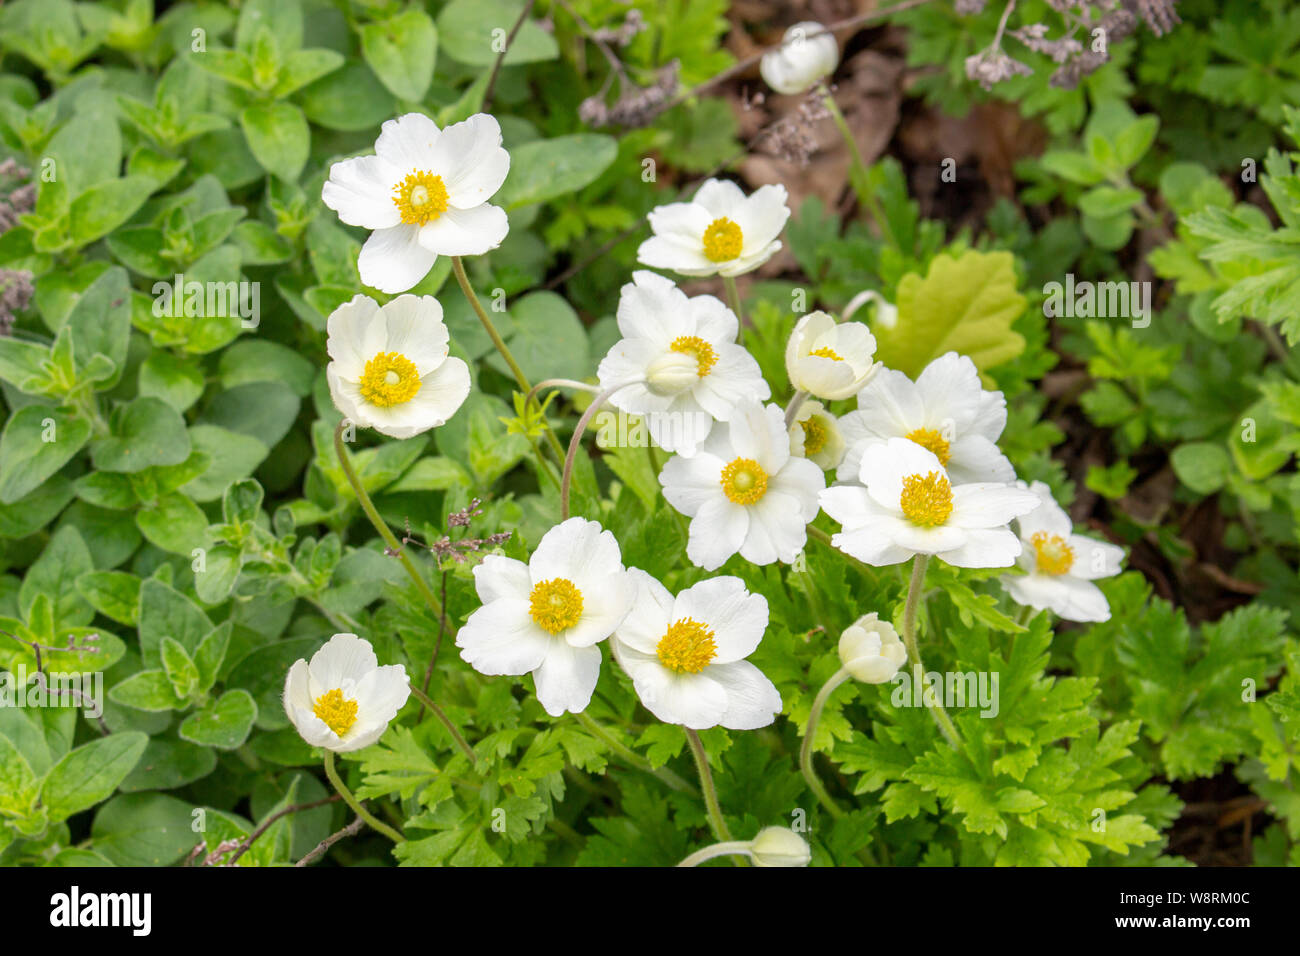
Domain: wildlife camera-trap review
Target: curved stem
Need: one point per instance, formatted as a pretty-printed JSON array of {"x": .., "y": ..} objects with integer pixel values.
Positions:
[
  {"x": 914, "y": 588},
  {"x": 462, "y": 279},
  {"x": 735, "y": 847},
  {"x": 560, "y": 383},
  {"x": 806, "y": 748},
  {"x": 566, "y": 478},
  {"x": 706, "y": 786},
  {"x": 733, "y": 300},
  {"x": 792, "y": 410},
  {"x": 355, "y": 804},
  {"x": 631, "y": 757},
  {"x": 858, "y": 170},
  {"x": 425, "y": 699}
]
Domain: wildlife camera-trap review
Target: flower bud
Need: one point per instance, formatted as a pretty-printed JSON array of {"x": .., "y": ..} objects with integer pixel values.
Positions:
[
  {"x": 808, "y": 53},
  {"x": 779, "y": 846},
  {"x": 672, "y": 372},
  {"x": 871, "y": 651}
]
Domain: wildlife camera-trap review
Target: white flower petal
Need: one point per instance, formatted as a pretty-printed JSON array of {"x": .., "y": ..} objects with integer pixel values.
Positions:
[
  {"x": 469, "y": 158},
  {"x": 737, "y": 618},
  {"x": 392, "y": 260},
  {"x": 752, "y": 700},
  {"x": 567, "y": 678},
  {"x": 360, "y": 190},
  {"x": 465, "y": 232},
  {"x": 501, "y": 638}
]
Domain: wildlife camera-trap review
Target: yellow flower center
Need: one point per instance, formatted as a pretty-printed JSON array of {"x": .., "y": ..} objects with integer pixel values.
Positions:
[
  {"x": 1052, "y": 555},
  {"x": 696, "y": 346},
  {"x": 827, "y": 352},
  {"x": 744, "y": 481},
  {"x": 926, "y": 502},
  {"x": 419, "y": 197},
  {"x": 555, "y": 604},
  {"x": 815, "y": 434},
  {"x": 723, "y": 240},
  {"x": 390, "y": 378},
  {"x": 337, "y": 712},
  {"x": 687, "y": 647},
  {"x": 931, "y": 439}
]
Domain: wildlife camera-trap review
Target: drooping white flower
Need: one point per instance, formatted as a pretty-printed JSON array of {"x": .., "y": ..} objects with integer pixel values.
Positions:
[
  {"x": 815, "y": 434},
  {"x": 343, "y": 700},
  {"x": 721, "y": 231},
  {"x": 390, "y": 369},
  {"x": 1060, "y": 565},
  {"x": 686, "y": 655},
  {"x": 807, "y": 55},
  {"x": 744, "y": 491},
  {"x": 830, "y": 359},
  {"x": 871, "y": 650},
  {"x": 547, "y": 616},
  {"x": 425, "y": 194},
  {"x": 945, "y": 410},
  {"x": 685, "y": 351},
  {"x": 909, "y": 506},
  {"x": 779, "y": 846}
]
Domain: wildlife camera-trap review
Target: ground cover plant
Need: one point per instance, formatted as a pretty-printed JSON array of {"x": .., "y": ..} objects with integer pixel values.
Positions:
[{"x": 649, "y": 432}]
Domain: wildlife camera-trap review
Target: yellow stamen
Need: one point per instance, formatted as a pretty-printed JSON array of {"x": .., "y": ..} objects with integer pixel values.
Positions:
[
  {"x": 336, "y": 711},
  {"x": 744, "y": 481},
  {"x": 555, "y": 604},
  {"x": 702, "y": 350},
  {"x": 931, "y": 439},
  {"x": 390, "y": 378},
  {"x": 419, "y": 197},
  {"x": 815, "y": 434},
  {"x": 1051, "y": 554},
  {"x": 926, "y": 502},
  {"x": 827, "y": 352},
  {"x": 723, "y": 240},
  {"x": 687, "y": 647}
]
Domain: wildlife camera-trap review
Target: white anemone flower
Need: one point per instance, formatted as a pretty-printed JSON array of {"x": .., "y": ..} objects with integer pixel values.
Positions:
[
  {"x": 547, "y": 616},
  {"x": 390, "y": 369},
  {"x": 683, "y": 354},
  {"x": 425, "y": 194},
  {"x": 721, "y": 231},
  {"x": 830, "y": 359},
  {"x": 815, "y": 434},
  {"x": 808, "y": 54},
  {"x": 909, "y": 506},
  {"x": 945, "y": 410},
  {"x": 686, "y": 655},
  {"x": 343, "y": 700},
  {"x": 871, "y": 650},
  {"x": 1060, "y": 565},
  {"x": 744, "y": 491}
]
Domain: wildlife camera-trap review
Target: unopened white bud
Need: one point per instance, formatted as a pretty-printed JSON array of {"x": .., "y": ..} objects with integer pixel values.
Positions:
[
  {"x": 780, "y": 846},
  {"x": 871, "y": 650},
  {"x": 808, "y": 54},
  {"x": 673, "y": 372}
]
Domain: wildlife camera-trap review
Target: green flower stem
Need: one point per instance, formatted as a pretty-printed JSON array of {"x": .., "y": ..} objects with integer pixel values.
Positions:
[
  {"x": 858, "y": 169},
  {"x": 817, "y": 534},
  {"x": 706, "y": 786},
  {"x": 566, "y": 478},
  {"x": 629, "y": 756},
  {"x": 796, "y": 403},
  {"x": 355, "y": 804},
  {"x": 733, "y": 301},
  {"x": 806, "y": 748},
  {"x": 914, "y": 588},
  {"x": 734, "y": 848},
  {"x": 458, "y": 268},
  {"x": 425, "y": 699}
]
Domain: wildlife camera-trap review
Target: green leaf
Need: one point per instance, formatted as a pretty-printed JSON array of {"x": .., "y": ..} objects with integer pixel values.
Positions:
[
  {"x": 278, "y": 137},
  {"x": 104, "y": 207},
  {"x": 1106, "y": 201},
  {"x": 144, "y": 829},
  {"x": 174, "y": 523},
  {"x": 966, "y": 305},
  {"x": 165, "y": 612},
  {"x": 101, "y": 321},
  {"x": 1202, "y": 466},
  {"x": 115, "y": 594},
  {"x": 149, "y": 690},
  {"x": 474, "y": 32},
  {"x": 223, "y": 724},
  {"x": 19, "y": 787},
  {"x": 402, "y": 50},
  {"x": 546, "y": 169},
  {"x": 144, "y": 433},
  {"x": 90, "y": 774},
  {"x": 37, "y": 442},
  {"x": 54, "y": 574},
  {"x": 180, "y": 670}
]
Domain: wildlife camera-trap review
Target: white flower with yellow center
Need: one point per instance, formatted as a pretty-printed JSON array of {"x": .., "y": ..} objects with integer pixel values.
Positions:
[
  {"x": 1060, "y": 565},
  {"x": 830, "y": 359},
  {"x": 871, "y": 650},
  {"x": 547, "y": 616},
  {"x": 909, "y": 506},
  {"x": 808, "y": 53},
  {"x": 815, "y": 435},
  {"x": 425, "y": 194},
  {"x": 945, "y": 410},
  {"x": 343, "y": 700},
  {"x": 744, "y": 491},
  {"x": 721, "y": 231},
  {"x": 686, "y": 655},
  {"x": 684, "y": 355},
  {"x": 390, "y": 369}
]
